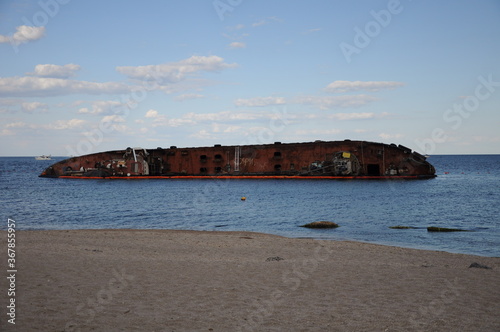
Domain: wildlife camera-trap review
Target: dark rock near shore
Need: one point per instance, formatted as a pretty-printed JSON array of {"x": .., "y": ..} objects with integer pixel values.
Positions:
[
  {"x": 321, "y": 224},
  {"x": 443, "y": 229}
]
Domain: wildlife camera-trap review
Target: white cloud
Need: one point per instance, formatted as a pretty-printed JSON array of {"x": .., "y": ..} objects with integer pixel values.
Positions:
[
  {"x": 357, "y": 116},
  {"x": 18, "y": 124},
  {"x": 330, "y": 102},
  {"x": 260, "y": 101},
  {"x": 203, "y": 134},
  {"x": 151, "y": 114},
  {"x": 216, "y": 129},
  {"x": 123, "y": 129},
  {"x": 266, "y": 21},
  {"x": 50, "y": 80},
  {"x": 225, "y": 116},
  {"x": 113, "y": 118},
  {"x": 232, "y": 129},
  {"x": 390, "y": 136},
  {"x": 259, "y": 23},
  {"x": 188, "y": 96},
  {"x": 66, "y": 124},
  {"x": 24, "y": 34},
  {"x": 102, "y": 107},
  {"x": 352, "y": 116},
  {"x": 55, "y": 71},
  {"x": 236, "y": 27},
  {"x": 348, "y": 86},
  {"x": 43, "y": 87},
  {"x": 360, "y": 131},
  {"x": 84, "y": 110},
  {"x": 310, "y": 116},
  {"x": 317, "y": 132},
  {"x": 7, "y": 132},
  {"x": 191, "y": 84},
  {"x": 222, "y": 117},
  {"x": 57, "y": 125},
  {"x": 34, "y": 106},
  {"x": 163, "y": 121},
  {"x": 175, "y": 71},
  {"x": 237, "y": 45}
]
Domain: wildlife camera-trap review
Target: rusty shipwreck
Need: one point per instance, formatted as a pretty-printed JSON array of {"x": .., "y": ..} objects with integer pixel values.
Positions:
[{"x": 312, "y": 160}]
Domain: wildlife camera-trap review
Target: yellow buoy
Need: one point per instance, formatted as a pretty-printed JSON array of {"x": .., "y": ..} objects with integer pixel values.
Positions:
[{"x": 243, "y": 198}]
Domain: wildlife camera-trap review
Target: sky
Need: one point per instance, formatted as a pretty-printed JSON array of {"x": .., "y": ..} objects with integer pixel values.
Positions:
[{"x": 79, "y": 77}]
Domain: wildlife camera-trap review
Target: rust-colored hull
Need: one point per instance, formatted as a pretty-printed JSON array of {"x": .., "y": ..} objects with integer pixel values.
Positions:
[{"x": 313, "y": 160}]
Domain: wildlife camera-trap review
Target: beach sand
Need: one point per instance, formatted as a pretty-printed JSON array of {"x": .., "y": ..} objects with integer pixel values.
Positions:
[{"x": 165, "y": 280}]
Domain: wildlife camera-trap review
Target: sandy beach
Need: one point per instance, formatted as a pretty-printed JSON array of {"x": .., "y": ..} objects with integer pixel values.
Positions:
[{"x": 164, "y": 280}]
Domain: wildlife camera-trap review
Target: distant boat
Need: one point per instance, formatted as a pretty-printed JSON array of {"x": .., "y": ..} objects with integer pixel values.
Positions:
[{"x": 43, "y": 157}]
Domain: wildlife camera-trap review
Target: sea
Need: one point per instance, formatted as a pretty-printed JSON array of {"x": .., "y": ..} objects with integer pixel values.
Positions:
[{"x": 464, "y": 195}]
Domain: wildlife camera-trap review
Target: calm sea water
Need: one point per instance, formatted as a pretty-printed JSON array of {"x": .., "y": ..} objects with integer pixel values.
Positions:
[{"x": 466, "y": 194}]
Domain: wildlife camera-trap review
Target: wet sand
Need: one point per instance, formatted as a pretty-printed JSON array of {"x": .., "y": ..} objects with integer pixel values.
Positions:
[{"x": 164, "y": 280}]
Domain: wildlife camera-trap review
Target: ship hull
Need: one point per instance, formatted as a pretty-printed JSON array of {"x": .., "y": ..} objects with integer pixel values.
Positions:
[{"x": 311, "y": 160}]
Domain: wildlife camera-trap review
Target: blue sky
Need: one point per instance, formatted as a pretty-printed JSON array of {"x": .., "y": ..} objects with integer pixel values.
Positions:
[{"x": 78, "y": 77}]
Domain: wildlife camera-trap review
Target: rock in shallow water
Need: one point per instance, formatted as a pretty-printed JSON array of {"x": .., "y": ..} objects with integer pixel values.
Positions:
[
  {"x": 321, "y": 224},
  {"x": 443, "y": 229}
]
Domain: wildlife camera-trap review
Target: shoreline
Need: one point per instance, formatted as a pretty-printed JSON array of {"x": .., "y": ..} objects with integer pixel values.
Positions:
[
  {"x": 393, "y": 245},
  {"x": 183, "y": 280},
  {"x": 402, "y": 245}
]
